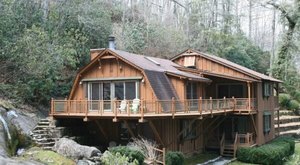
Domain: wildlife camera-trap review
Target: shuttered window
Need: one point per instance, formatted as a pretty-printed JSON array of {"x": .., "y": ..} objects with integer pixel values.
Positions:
[
  {"x": 267, "y": 122},
  {"x": 189, "y": 61}
]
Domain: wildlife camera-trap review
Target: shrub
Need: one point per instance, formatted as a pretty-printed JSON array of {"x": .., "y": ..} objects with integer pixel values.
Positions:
[
  {"x": 293, "y": 105},
  {"x": 297, "y": 96},
  {"x": 146, "y": 147},
  {"x": 174, "y": 158},
  {"x": 284, "y": 99},
  {"x": 109, "y": 158},
  {"x": 131, "y": 153},
  {"x": 272, "y": 153}
]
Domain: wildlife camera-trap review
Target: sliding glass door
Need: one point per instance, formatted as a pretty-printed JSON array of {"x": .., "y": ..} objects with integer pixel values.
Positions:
[{"x": 102, "y": 94}]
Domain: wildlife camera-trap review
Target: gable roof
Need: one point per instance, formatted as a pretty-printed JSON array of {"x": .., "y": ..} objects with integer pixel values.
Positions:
[
  {"x": 228, "y": 63},
  {"x": 155, "y": 69}
]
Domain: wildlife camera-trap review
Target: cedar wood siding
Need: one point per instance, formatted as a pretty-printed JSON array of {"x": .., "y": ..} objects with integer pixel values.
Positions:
[
  {"x": 110, "y": 68},
  {"x": 263, "y": 104},
  {"x": 208, "y": 65}
]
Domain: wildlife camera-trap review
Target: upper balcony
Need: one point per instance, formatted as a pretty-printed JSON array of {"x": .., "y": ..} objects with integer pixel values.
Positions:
[{"x": 143, "y": 109}]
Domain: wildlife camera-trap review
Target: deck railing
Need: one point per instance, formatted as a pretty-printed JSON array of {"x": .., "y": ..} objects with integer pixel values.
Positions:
[
  {"x": 245, "y": 140},
  {"x": 144, "y": 108}
]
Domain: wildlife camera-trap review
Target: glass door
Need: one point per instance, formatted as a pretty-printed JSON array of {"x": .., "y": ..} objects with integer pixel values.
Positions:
[
  {"x": 94, "y": 96},
  {"x": 107, "y": 99}
]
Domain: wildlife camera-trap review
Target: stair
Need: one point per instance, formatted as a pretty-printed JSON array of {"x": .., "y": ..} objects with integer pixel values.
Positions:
[
  {"x": 45, "y": 134},
  {"x": 289, "y": 123},
  {"x": 228, "y": 150}
]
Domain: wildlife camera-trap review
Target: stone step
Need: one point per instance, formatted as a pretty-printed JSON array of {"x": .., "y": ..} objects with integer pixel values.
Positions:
[
  {"x": 287, "y": 119},
  {"x": 44, "y": 126},
  {"x": 43, "y": 123},
  {"x": 227, "y": 155},
  {"x": 46, "y": 143},
  {"x": 47, "y": 148}
]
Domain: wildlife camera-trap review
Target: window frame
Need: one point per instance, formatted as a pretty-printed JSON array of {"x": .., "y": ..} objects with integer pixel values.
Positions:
[{"x": 267, "y": 122}]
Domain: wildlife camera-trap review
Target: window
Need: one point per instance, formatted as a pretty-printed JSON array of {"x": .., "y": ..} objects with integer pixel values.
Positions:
[
  {"x": 189, "y": 129},
  {"x": 189, "y": 61},
  {"x": 107, "y": 91},
  {"x": 267, "y": 89},
  {"x": 267, "y": 122},
  {"x": 191, "y": 90}
]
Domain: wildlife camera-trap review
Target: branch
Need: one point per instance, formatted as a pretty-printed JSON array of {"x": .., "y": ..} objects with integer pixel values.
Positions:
[{"x": 283, "y": 11}]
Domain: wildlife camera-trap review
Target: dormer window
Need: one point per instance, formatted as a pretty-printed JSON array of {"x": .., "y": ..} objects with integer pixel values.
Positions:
[{"x": 189, "y": 61}]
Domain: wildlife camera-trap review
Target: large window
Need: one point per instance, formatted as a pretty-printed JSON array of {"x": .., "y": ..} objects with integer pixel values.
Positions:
[{"x": 107, "y": 91}]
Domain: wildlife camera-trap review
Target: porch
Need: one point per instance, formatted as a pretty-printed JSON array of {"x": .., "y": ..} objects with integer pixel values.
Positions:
[{"x": 141, "y": 109}]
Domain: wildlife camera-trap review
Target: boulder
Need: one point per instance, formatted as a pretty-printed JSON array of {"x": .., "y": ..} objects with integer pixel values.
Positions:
[
  {"x": 18, "y": 162},
  {"x": 71, "y": 149}
]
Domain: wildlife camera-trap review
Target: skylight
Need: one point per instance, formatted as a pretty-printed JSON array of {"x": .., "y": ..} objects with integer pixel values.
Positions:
[{"x": 152, "y": 60}]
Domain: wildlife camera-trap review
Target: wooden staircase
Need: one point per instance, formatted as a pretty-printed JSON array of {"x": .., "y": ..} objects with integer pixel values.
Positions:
[
  {"x": 45, "y": 134},
  {"x": 227, "y": 148}
]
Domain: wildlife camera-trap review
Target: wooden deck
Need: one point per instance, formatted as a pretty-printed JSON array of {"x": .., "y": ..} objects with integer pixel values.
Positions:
[{"x": 150, "y": 109}]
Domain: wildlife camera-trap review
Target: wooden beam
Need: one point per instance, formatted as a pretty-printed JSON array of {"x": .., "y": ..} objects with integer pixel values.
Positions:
[
  {"x": 156, "y": 132},
  {"x": 249, "y": 96},
  {"x": 101, "y": 130},
  {"x": 253, "y": 121},
  {"x": 211, "y": 123},
  {"x": 129, "y": 129}
]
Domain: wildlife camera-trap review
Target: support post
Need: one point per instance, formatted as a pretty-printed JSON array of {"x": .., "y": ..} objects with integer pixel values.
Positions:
[
  {"x": 114, "y": 109},
  {"x": 249, "y": 96},
  {"x": 156, "y": 132},
  {"x": 278, "y": 122},
  {"x": 224, "y": 105}
]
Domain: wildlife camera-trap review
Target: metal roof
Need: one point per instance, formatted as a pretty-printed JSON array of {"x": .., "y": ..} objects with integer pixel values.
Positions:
[{"x": 158, "y": 64}]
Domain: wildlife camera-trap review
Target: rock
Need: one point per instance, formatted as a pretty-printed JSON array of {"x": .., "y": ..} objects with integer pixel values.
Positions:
[
  {"x": 25, "y": 122},
  {"x": 85, "y": 162},
  {"x": 17, "y": 162},
  {"x": 71, "y": 149},
  {"x": 3, "y": 152}
]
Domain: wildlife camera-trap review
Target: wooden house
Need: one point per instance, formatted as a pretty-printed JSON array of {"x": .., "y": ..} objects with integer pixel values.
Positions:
[{"x": 188, "y": 103}]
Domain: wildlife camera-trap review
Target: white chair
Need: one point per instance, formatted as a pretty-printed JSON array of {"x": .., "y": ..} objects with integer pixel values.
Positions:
[
  {"x": 135, "y": 105},
  {"x": 122, "y": 107}
]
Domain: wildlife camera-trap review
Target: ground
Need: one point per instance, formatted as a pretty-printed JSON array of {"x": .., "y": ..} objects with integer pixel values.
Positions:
[
  {"x": 200, "y": 158},
  {"x": 45, "y": 156}
]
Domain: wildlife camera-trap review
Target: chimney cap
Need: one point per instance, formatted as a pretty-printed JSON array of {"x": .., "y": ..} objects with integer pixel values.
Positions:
[{"x": 111, "y": 38}]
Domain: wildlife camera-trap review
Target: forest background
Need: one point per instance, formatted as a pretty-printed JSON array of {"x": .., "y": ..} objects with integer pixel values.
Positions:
[{"x": 44, "y": 42}]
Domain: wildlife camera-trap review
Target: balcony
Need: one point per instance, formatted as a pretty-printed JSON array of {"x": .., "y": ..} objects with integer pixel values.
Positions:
[{"x": 146, "y": 109}]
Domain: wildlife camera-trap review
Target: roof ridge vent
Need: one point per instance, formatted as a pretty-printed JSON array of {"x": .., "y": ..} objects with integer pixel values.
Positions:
[{"x": 152, "y": 60}]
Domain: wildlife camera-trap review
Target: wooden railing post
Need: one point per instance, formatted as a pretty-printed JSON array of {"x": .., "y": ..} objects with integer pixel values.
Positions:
[
  {"x": 52, "y": 107},
  {"x": 224, "y": 104},
  {"x": 114, "y": 109},
  {"x": 142, "y": 110},
  {"x": 127, "y": 107},
  {"x": 233, "y": 103},
  {"x": 200, "y": 105},
  {"x": 68, "y": 107},
  {"x": 86, "y": 107},
  {"x": 173, "y": 107}
]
